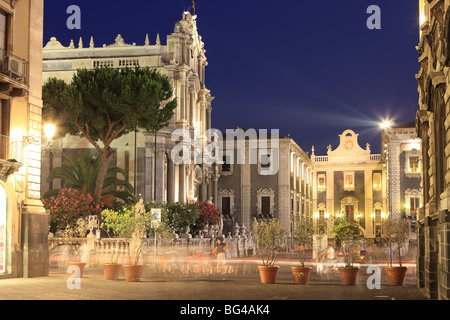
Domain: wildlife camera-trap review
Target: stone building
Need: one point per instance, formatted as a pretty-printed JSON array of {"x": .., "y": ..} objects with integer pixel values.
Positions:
[
  {"x": 182, "y": 58},
  {"x": 274, "y": 180},
  {"x": 23, "y": 222},
  {"x": 403, "y": 157},
  {"x": 350, "y": 180},
  {"x": 432, "y": 123}
]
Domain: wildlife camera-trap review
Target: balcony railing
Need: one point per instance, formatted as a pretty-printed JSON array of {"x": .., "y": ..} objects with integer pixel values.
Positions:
[
  {"x": 14, "y": 67},
  {"x": 11, "y": 149}
]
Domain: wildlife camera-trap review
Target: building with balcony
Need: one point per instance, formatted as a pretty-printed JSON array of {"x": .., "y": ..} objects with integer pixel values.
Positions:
[
  {"x": 23, "y": 222},
  {"x": 145, "y": 158},
  {"x": 350, "y": 181}
]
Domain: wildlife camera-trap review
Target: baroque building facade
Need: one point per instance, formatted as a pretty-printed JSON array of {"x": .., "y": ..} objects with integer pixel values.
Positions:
[
  {"x": 273, "y": 180},
  {"x": 23, "y": 221},
  {"x": 350, "y": 181},
  {"x": 147, "y": 163},
  {"x": 401, "y": 152},
  {"x": 432, "y": 123}
]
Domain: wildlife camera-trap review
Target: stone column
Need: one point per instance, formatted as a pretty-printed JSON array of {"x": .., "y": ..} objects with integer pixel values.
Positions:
[
  {"x": 181, "y": 183},
  {"x": 170, "y": 181}
]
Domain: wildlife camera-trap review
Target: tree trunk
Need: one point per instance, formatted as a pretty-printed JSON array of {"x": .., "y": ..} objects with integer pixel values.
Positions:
[{"x": 106, "y": 158}]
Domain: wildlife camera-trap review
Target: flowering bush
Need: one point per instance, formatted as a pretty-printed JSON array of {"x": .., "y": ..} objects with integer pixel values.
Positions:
[
  {"x": 209, "y": 214},
  {"x": 68, "y": 205}
]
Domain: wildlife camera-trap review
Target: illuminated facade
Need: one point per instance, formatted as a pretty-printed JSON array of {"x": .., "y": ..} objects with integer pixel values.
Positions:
[
  {"x": 277, "y": 184},
  {"x": 350, "y": 181},
  {"x": 402, "y": 155},
  {"x": 432, "y": 123},
  {"x": 183, "y": 60},
  {"x": 23, "y": 222}
]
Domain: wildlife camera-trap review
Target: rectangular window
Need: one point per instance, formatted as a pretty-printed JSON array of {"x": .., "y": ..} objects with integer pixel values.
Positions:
[
  {"x": 377, "y": 181},
  {"x": 414, "y": 164},
  {"x": 349, "y": 183},
  {"x": 265, "y": 205},
  {"x": 265, "y": 161},
  {"x": 3, "y": 33},
  {"x": 321, "y": 182},
  {"x": 378, "y": 216},
  {"x": 414, "y": 206},
  {"x": 226, "y": 166},
  {"x": 226, "y": 207}
]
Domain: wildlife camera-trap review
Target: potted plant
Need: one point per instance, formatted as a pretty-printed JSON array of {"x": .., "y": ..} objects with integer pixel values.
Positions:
[
  {"x": 269, "y": 236},
  {"x": 347, "y": 233},
  {"x": 79, "y": 229},
  {"x": 396, "y": 232},
  {"x": 131, "y": 225},
  {"x": 302, "y": 236}
]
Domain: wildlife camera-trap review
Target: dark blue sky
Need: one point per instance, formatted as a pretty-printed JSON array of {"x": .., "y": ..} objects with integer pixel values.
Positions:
[{"x": 308, "y": 68}]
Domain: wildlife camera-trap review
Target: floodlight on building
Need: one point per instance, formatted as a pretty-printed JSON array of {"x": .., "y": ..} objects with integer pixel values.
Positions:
[{"x": 385, "y": 124}]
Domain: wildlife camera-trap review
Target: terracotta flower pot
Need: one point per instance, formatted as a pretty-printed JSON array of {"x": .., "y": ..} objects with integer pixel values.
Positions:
[
  {"x": 268, "y": 274},
  {"x": 133, "y": 273},
  {"x": 396, "y": 276},
  {"x": 349, "y": 275},
  {"x": 112, "y": 270},
  {"x": 300, "y": 274},
  {"x": 80, "y": 265}
]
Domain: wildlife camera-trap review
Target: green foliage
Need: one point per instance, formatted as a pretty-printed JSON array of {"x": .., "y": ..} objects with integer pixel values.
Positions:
[
  {"x": 303, "y": 234},
  {"x": 269, "y": 236},
  {"x": 126, "y": 224},
  {"x": 347, "y": 233},
  {"x": 81, "y": 173},
  {"x": 181, "y": 216},
  {"x": 105, "y": 103},
  {"x": 396, "y": 232}
]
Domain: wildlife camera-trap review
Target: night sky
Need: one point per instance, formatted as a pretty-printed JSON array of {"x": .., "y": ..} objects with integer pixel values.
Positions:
[{"x": 311, "y": 69}]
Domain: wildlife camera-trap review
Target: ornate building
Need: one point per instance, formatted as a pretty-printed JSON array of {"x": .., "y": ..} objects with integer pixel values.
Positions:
[
  {"x": 432, "y": 122},
  {"x": 23, "y": 222},
  {"x": 277, "y": 183},
  {"x": 402, "y": 154},
  {"x": 350, "y": 180},
  {"x": 153, "y": 174}
]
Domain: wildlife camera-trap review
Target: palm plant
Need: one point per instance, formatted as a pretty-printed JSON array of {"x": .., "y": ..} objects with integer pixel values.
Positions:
[{"x": 81, "y": 173}]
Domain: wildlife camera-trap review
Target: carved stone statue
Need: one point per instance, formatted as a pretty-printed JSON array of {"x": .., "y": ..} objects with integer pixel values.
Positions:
[{"x": 140, "y": 208}]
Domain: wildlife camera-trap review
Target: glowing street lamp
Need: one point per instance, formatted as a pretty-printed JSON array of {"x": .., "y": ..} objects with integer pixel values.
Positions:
[{"x": 49, "y": 130}]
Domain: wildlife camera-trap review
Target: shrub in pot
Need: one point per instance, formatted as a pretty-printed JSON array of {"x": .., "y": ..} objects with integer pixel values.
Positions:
[
  {"x": 269, "y": 236},
  {"x": 71, "y": 231},
  {"x": 303, "y": 231},
  {"x": 347, "y": 233},
  {"x": 132, "y": 225},
  {"x": 396, "y": 232}
]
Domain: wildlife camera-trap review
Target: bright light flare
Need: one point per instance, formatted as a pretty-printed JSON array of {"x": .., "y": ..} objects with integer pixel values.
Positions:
[
  {"x": 49, "y": 130},
  {"x": 386, "y": 124}
]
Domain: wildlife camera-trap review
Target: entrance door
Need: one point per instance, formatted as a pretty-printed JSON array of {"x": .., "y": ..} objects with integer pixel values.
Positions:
[{"x": 350, "y": 212}]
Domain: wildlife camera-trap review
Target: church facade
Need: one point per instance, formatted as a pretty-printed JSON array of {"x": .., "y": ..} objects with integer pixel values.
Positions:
[
  {"x": 351, "y": 181},
  {"x": 146, "y": 158}
]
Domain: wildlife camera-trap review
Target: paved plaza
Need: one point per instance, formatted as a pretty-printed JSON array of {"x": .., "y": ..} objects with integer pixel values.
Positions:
[{"x": 194, "y": 282}]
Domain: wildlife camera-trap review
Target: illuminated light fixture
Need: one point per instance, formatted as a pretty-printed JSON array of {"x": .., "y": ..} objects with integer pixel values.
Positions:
[
  {"x": 385, "y": 124},
  {"x": 49, "y": 130}
]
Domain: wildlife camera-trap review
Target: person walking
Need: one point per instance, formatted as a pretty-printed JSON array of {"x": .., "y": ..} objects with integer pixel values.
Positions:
[{"x": 219, "y": 250}]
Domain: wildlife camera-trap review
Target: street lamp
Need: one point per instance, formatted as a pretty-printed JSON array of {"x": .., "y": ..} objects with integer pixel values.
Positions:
[{"x": 49, "y": 130}]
